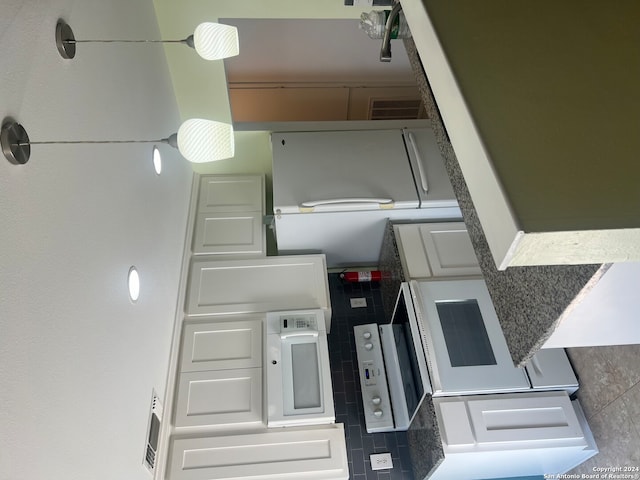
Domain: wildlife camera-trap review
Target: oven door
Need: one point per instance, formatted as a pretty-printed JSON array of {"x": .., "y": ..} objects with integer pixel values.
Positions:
[
  {"x": 404, "y": 360},
  {"x": 465, "y": 348}
]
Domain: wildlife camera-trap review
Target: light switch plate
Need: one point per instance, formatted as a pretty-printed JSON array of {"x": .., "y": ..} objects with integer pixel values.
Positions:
[
  {"x": 358, "y": 302},
  {"x": 381, "y": 461}
]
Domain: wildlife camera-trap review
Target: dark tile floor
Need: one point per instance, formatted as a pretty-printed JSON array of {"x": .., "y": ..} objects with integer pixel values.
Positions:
[{"x": 346, "y": 385}]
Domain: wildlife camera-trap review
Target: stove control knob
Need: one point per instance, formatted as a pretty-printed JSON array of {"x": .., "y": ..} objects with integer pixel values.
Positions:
[
  {"x": 376, "y": 400},
  {"x": 368, "y": 345},
  {"x": 367, "y": 335},
  {"x": 377, "y": 413}
]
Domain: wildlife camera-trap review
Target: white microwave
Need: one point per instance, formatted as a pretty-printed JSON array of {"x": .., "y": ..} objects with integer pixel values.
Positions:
[
  {"x": 299, "y": 389},
  {"x": 465, "y": 348}
]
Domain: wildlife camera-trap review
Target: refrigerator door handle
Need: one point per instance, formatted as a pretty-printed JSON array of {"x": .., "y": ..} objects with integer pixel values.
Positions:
[
  {"x": 382, "y": 202},
  {"x": 416, "y": 152}
]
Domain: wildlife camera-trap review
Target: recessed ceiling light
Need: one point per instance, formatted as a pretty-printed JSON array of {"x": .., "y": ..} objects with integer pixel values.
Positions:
[
  {"x": 157, "y": 160},
  {"x": 133, "y": 281}
]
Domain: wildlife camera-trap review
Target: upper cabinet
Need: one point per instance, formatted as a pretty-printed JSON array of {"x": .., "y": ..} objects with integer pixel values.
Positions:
[
  {"x": 436, "y": 250},
  {"x": 220, "y": 287},
  {"x": 229, "y": 216}
]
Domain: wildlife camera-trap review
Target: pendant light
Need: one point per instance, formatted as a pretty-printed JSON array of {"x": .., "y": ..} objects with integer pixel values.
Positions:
[
  {"x": 212, "y": 41},
  {"x": 198, "y": 140}
]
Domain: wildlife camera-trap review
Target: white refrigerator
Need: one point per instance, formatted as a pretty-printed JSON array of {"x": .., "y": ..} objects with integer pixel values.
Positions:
[{"x": 333, "y": 191}]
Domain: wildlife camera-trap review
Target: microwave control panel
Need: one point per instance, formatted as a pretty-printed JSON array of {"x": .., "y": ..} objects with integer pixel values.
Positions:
[
  {"x": 289, "y": 323},
  {"x": 296, "y": 322}
]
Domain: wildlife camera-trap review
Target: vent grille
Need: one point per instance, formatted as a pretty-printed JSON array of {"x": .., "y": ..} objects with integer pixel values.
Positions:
[
  {"x": 397, "y": 109},
  {"x": 153, "y": 432}
]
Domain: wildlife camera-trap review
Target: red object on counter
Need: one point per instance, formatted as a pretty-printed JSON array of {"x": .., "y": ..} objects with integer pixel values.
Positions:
[{"x": 357, "y": 277}]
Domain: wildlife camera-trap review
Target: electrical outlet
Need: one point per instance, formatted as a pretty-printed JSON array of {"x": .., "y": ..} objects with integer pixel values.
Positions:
[
  {"x": 358, "y": 302},
  {"x": 381, "y": 461}
]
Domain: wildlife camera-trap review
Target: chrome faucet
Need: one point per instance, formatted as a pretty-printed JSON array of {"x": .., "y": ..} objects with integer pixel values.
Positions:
[{"x": 385, "y": 50}]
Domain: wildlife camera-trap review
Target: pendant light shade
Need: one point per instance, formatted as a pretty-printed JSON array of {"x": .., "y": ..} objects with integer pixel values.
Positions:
[
  {"x": 215, "y": 41},
  {"x": 201, "y": 141},
  {"x": 198, "y": 140},
  {"x": 212, "y": 41}
]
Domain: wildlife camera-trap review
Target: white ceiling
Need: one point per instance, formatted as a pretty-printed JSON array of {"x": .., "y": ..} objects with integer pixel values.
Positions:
[{"x": 78, "y": 360}]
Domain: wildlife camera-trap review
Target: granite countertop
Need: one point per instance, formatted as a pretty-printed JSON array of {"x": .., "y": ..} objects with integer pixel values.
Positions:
[{"x": 529, "y": 301}]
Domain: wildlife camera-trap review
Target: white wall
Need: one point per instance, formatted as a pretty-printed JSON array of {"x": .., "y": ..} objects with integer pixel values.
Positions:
[
  {"x": 607, "y": 315},
  {"x": 78, "y": 360},
  {"x": 313, "y": 50},
  {"x": 200, "y": 86}
]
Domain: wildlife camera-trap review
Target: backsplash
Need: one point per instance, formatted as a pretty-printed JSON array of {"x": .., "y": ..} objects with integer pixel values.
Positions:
[{"x": 346, "y": 385}]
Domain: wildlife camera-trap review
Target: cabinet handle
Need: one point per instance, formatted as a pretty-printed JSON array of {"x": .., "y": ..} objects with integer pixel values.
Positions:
[{"x": 416, "y": 152}]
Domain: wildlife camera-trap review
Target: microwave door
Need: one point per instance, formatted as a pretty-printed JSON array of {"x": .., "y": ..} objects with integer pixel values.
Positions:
[
  {"x": 301, "y": 375},
  {"x": 466, "y": 348}
]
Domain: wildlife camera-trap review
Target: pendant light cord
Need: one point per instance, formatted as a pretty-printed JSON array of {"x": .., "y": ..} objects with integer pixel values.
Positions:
[
  {"x": 123, "y": 41},
  {"x": 162, "y": 140}
]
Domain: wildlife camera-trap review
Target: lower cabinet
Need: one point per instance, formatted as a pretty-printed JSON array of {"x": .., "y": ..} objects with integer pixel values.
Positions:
[
  {"x": 220, "y": 398},
  {"x": 311, "y": 453},
  {"x": 511, "y": 435},
  {"x": 436, "y": 250}
]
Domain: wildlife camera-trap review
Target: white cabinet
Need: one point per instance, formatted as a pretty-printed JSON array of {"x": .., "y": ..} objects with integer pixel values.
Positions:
[
  {"x": 222, "y": 344},
  {"x": 312, "y": 453},
  {"x": 220, "y": 287},
  {"x": 550, "y": 369},
  {"x": 511, "y": 435},
  {"x": 220, "y": 380},
  {"x": 229, "y": 216},
  {"x": 230, "y": 193},
  {"x": 436, "y": 250},
  {"x": 219, "y": 398}
]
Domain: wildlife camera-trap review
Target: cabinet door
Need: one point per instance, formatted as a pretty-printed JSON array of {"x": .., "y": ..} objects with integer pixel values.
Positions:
[
  {"x": 412, "y": 253},
  {"x": 216, "y": 398},
  {"x": 449, "y": 249},
  {"x": 229, "y": 233},
  {"x": 231, "y": 193},
  {"x": 436, "y": 250},
  {"x": 222, "y": 345},
  {"x": 317, "y": 453},
  {"x": 219, "y": 287},
  {"x": 519, "y": 421}
]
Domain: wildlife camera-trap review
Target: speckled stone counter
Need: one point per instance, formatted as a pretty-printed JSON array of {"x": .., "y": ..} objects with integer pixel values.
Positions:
[{"x": 529, "y": 301}]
